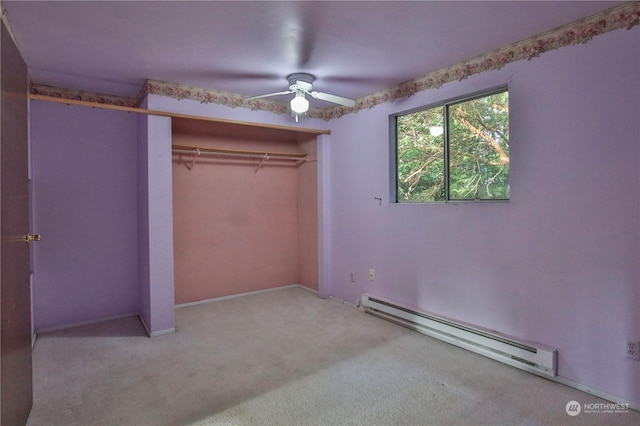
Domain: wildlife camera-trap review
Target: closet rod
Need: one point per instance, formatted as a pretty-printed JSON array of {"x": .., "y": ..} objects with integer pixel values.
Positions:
[
  {"x": 297, "y": 156},
  {"x": 35, "y": 97}
]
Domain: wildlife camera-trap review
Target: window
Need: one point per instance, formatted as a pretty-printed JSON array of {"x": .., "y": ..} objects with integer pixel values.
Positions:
[{"x": 454, "y": 151}]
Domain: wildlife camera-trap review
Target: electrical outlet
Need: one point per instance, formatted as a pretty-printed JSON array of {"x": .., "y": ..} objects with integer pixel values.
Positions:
[
  {"x": 633, "y": 350},
  {"x": 372, "y": 275}
]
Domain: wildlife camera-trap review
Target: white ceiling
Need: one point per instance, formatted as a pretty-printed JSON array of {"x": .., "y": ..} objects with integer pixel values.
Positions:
[{"x": 353, "y": 47}]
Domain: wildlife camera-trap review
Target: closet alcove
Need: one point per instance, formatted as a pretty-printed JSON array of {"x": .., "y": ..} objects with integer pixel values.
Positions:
[{"x": 245, "y": 209}]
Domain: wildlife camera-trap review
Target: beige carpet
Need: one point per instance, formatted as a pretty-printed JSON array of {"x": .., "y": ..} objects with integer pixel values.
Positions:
[{"x": 284, "y": 358}]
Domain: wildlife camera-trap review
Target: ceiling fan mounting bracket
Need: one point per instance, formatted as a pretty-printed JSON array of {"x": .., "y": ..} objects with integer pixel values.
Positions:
[
  {"x": 300, "y": 81},
  {"x": 301, "y": 76}
]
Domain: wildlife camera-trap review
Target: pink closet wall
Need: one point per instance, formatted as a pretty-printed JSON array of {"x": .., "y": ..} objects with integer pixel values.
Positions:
[
  {"x": 308, "y": 215},
  {"x": 239, "y": 228}
]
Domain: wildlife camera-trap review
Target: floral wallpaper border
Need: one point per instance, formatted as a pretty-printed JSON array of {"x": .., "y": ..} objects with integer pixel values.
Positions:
[
  {"x": 82, "y": 95},
  {"x": 206, "y": 96},
  {"x": 626, "y": 15}
]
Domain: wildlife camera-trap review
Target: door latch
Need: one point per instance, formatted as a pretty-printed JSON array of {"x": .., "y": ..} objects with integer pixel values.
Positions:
[{"x": 31, "y": 237}]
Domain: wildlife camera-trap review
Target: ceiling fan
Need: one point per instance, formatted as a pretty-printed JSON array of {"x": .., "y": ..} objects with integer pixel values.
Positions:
[{"x": 301, "y": 84}]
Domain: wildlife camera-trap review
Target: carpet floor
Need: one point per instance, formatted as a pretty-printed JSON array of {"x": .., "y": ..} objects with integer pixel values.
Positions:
[{"x": 285, "y": 357}]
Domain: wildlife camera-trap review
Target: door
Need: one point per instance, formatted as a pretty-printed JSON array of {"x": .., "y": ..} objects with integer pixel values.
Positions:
[{"x": 15, "y": 294}]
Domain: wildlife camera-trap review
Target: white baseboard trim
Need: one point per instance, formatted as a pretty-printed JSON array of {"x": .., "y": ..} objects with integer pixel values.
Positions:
[
  {"x": 304, "y": 287},
  {"x": 595, "y": 392},
  {"x": 144, "y": 324},
  {"x": 163, "y": 332},
  {"x": 248, "y": 293},
  {"x": 344, "y": 302},
  {"x": 81, "y": 323},
  {"x": 40, "y": 331},
  {"x": 155, "y": 333}
]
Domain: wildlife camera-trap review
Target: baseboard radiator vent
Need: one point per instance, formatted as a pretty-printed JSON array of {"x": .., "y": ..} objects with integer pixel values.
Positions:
[{"x": 522, "y": 354}]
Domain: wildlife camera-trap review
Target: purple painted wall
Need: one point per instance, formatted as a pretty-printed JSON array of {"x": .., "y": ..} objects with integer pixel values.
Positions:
[
  {"x": 84, "y": 205},
  {"x": 323, "y": 151},
  {"x": 559, "y": 263},
  {"x": 144, "y": 280},
  {"x": 155, "y": 224},
  {"x": 102, "y": 202}
]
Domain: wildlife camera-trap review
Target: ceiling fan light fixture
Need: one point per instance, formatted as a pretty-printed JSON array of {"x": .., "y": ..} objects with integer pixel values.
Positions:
[
  {"x": 299, "y": 104},
  {"x": 301, "y": 84}
]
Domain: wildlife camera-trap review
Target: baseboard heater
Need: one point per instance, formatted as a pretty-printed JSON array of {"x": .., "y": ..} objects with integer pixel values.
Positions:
[{"x": 518, "y": 353}]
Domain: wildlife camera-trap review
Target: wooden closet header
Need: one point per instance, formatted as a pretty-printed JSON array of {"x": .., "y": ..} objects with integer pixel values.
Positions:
[{"x": 175, "y": 114}]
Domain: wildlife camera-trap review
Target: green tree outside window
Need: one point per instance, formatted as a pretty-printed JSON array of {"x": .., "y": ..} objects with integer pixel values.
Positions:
[{"x": 454, "y": 151}]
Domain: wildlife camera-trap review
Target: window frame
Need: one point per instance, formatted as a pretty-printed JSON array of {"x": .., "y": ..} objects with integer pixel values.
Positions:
[{"x": 445, "y": 104}]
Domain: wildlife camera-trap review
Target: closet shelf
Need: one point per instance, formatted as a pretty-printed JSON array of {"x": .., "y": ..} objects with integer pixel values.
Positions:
[{"x": 296, "y": 156}]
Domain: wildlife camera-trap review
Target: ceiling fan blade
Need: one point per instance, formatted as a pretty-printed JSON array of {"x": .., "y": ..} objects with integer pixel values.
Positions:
[
  {"x": 286, "y": 92},
  {"x": 333, "y": 98}
]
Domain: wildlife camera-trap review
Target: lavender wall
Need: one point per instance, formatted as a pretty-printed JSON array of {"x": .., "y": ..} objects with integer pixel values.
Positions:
[
  {"x": 84, "y": 205},
  {"x": 307, "y": 216},
  {"x": 323, "y": 152},
  {"x": 557, "y": 264},
  {"x": 155, "y": 221},
  {"x": 144, "y": 278}
]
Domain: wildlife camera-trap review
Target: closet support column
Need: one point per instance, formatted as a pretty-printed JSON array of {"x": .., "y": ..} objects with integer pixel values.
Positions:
[
  {"x": 324, "y": 214},
  {"x": 155, "y": 225}
]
